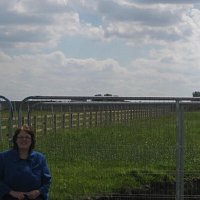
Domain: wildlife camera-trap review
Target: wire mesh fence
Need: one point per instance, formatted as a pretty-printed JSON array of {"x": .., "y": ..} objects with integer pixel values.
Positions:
[
  {"x": 118, "y": 148},
  {"x": 107, "y": 149},
  {"x": 6, "y": 120}
]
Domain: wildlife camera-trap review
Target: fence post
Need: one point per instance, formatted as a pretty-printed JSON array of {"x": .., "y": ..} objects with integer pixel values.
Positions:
[
  {"x": 54, "y": 123},
  {"x": 110, "y": 116},
  {"x": 78, "y": 120},
  {"x": 45, "y": 124},
  {"x": 179, "y": 152},
  {"x": 100, "y": 114},
  {"x": 90, "y": 119},
  {"x": 29, "y": 116},
  {"x": 63, "y": 120},
  {"x": 0, "y": 125},
  {"x": 35, "y": 124},
  {"x": 70, "y": 120}
]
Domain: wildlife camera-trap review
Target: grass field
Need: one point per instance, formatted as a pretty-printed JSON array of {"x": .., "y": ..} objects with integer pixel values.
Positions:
[
  {"x": 106, "y": 160},
  {"x": 100, "y": 161}
]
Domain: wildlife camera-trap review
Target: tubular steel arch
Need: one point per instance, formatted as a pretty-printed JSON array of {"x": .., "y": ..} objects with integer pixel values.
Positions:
[{"x": 10, "y": 118}]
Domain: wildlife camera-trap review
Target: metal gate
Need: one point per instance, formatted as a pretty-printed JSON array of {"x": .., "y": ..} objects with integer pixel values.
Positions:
[
  {"x": 154, "y": 125},
  {"x": 6, "y": 122}
]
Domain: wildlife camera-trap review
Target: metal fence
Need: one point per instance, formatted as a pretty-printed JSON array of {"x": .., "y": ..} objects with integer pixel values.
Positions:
[
  {"x": 6, "y": 122},
  {"x": 118, "y": 148}
]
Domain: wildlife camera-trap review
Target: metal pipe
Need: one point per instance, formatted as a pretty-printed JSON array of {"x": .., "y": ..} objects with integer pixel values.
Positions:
[
  {"x": 179, "y": 152},
  {"x": 10, "y": 120}
]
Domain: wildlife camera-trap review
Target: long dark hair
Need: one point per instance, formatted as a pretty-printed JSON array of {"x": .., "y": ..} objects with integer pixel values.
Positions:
[{"x": 28, "y": 131}]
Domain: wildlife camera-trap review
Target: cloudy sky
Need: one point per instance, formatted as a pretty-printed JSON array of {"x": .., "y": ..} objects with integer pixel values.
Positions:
[{"x": 88, "y": 47}]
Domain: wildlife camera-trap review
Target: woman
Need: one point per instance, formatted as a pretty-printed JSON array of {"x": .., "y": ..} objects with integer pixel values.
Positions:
[{"x": 24, "y": 173}]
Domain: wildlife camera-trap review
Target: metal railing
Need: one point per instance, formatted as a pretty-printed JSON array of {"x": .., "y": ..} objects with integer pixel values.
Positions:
[
  {"x": 130, "y": 101},
  {"x": 7, "y": 109}
]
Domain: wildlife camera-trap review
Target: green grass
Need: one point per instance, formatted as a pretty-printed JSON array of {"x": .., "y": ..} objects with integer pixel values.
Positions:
[
  {"x": 106, "y": 160},
  {"x": 99, "y": 161}
]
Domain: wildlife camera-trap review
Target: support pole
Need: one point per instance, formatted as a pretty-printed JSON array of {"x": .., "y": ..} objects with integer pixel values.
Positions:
[{"x": 179, "y": 152}]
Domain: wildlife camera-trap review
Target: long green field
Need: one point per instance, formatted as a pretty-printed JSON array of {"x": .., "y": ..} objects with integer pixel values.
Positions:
[
  {"x": 108, "y": 160},
  {"x": 102, "y": 161}
]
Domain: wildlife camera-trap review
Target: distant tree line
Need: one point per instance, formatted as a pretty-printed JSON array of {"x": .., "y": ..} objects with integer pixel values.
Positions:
[
  {"x": 196, "y": 94},
  {"x": 105, "y": 95}
]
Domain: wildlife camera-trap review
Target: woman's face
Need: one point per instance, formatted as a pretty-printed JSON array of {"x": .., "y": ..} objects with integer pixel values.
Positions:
[{"x": 23, "y": 140}]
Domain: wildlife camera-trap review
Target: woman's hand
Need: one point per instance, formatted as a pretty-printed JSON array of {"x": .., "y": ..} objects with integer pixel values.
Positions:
[
  {"x": 33, "y": 194},
  {"x": 17, "y": 195}
]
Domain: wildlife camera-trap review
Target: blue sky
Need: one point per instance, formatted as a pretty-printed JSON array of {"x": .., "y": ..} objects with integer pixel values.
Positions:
[{"x": 88, "y": 47}]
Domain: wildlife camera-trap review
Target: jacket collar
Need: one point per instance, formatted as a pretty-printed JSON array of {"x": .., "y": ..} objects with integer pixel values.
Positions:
[{"x": 16, "y": 157}]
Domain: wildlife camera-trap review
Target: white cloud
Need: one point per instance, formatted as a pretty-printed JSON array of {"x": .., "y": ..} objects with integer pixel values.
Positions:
[
  {"x": 167, "y": 1},
  {"x": 36, "y": 25},
  {"x": 154, "y": 16},
  {"x": 166, "y": 35},
  {"x": 55, "y": 74},
  {"x": 157, "y": 23}
]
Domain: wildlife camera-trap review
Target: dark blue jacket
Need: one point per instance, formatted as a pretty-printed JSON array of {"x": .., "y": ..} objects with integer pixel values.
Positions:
[{"x": 24, "y": 175}]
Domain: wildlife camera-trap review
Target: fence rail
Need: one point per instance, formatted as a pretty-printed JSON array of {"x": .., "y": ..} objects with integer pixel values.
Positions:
[{"x": 82, "y": 118}]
